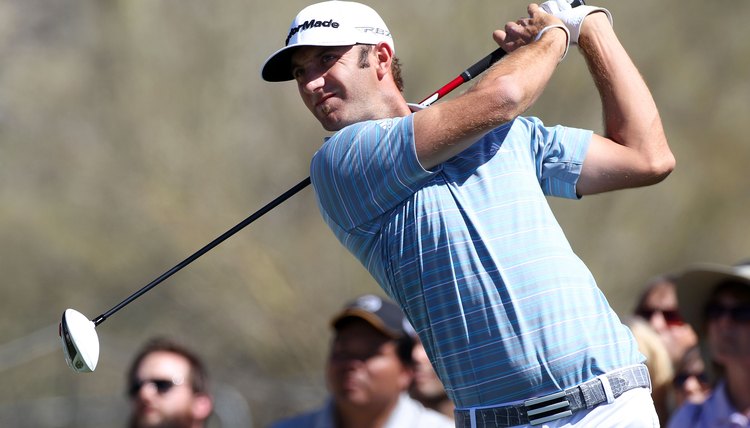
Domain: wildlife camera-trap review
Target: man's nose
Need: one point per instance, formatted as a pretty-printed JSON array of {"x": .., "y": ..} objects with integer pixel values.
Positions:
[
  {"x": 312, "y": 81},
  {"x": 148, "y": 390},
  {"x": 658, "y": 322}
]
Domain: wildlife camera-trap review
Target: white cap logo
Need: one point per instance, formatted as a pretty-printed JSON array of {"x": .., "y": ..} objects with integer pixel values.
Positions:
[{"x": 370, "y": 303}]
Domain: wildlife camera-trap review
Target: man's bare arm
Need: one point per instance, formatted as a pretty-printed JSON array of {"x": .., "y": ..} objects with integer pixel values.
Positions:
[
  {"x": 634, "y": 150},
  {"x": 506, "y": 90}
]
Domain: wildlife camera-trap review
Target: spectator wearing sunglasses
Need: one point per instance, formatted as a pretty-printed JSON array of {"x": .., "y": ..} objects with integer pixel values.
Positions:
[
  {"x": 691, "y": 383},
  {"x": 716, "y": 301},
  {"x": 168, "y": 387},
  {"x": 658, "y": 304}
]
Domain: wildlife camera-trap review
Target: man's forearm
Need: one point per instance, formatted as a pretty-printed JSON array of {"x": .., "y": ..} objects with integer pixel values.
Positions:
[
  {"x": 504, "y": 92},
  {"x": 630, "y": 114}
]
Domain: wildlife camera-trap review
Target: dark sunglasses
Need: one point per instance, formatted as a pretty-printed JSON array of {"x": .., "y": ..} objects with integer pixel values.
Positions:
[
  {"x": 672, "y": 317},
  {"x": 714, "y": 311},
  {"x": 680, "y": 379},
  {"x": 162, "y": 386}
]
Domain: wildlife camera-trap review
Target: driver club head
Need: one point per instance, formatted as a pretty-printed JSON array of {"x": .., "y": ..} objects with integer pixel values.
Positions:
[{"x": 79, "y": 340}]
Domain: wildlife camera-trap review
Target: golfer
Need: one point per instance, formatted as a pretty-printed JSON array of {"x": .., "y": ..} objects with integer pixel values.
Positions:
[{"x": 446, "y": 207}]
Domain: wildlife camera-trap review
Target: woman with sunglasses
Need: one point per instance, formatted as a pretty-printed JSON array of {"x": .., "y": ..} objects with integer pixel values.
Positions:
[
  {"x": 717, "y": 299},
  {"x": 659, "y": 306}
]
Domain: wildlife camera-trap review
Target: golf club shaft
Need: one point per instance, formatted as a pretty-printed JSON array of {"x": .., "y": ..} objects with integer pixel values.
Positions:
[
  {"x": 468, "y": 74},
  {"x": 476, "y": 69},
  {"x": 268, "y": 207}
]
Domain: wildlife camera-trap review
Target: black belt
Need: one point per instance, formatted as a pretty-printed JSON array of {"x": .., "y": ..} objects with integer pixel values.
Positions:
[{"x": 560, "y": 404}]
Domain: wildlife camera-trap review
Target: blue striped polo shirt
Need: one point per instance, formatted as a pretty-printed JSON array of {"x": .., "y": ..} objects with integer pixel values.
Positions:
[{"x": 474, "y": 255}]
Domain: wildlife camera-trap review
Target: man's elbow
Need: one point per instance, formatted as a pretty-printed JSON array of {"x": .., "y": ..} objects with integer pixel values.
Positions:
[
  {"x": 507, "y": 100},
  {"x": 659, "y": 167}
]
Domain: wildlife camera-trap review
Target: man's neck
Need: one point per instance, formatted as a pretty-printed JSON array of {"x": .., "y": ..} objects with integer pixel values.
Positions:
[
  {"x": 738, "y": 387},
  {"x": 363, "y": 416},
  {"x": 390, "y": 103},
  {"x": 444, "y": 406},
  {"x": 440, "y": 403}
]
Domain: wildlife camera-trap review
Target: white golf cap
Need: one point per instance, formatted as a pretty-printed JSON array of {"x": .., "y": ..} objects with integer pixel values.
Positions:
[{"x": 330, "y": 23}]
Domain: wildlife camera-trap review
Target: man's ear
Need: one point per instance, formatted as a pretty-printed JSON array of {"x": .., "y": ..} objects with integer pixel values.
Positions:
[
  {"x": 202, "y": 407},
  {"x": 406, "y": 378},
  {"x": 384, "y": 56}
]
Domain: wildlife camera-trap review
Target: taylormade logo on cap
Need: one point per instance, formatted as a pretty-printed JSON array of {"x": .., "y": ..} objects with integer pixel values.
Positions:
[
  {"x": 310, "y": 24},
  {"x": 330, "y": 23}
]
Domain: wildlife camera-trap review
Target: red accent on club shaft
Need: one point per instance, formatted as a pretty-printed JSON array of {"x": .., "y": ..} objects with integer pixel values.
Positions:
[{"x": 453, "y": 84}]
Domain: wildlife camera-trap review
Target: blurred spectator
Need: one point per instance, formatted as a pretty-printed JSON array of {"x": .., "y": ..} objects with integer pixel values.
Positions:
[
  {"x": 427, "y": 388},
  {"x": 715, "y": 299},
  {"x": 368, "y": 372},
  {"x": 691, "y": 382},
  {"x": 168, "y": 387},
  {"x": 659, "y": 364},
  {"x": 658, "y": 305}
]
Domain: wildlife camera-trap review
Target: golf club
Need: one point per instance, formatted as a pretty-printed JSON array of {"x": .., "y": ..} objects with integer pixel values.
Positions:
[
  {"x": 79, "y": 339},
  {"x": 78, "y": 335}
]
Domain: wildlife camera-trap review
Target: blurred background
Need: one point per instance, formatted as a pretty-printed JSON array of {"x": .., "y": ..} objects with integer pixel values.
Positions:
[{"x": 133, "y": 132}]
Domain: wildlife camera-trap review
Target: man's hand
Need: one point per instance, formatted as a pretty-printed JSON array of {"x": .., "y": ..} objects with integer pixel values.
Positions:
[
  {"x": 526, "y": 30},
  {"x": 572, "y": 17},
  {"x": 507, "y": 89}
]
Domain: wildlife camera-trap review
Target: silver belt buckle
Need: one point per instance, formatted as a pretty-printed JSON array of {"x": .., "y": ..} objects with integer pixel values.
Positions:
[{"x": 547, "y": 408}]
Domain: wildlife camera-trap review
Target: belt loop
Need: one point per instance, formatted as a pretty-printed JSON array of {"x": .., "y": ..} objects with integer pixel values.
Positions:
[
  {"x": 473, "y": 417},
  {"x": 607, "y": 388}
]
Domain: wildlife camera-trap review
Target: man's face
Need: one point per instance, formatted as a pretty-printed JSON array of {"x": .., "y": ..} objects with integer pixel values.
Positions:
[
  {"x": 165, "y": 397},
  {"x": 364, "y": 370},
  {"x": 728, "y": 335},
  {"x": 333, "y": 84},
  {"x": 660, "y": 309},
  {"x": 426, "y": 383}
]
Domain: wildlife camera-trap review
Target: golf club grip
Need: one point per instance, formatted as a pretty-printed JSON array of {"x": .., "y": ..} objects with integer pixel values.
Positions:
[{"x": 483, "y": 64}]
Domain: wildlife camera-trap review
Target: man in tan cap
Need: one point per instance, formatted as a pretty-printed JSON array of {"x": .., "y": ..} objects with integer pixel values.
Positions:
[
  {"x": 715, "y": 299},
  {"x": 369, "y": 371}
]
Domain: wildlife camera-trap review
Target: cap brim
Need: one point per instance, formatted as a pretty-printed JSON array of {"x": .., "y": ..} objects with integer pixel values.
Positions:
[
  {"x": 695, "y": 285},
  {"x": 368, "y": 317},
  {"x": 278, "y": 67}
]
